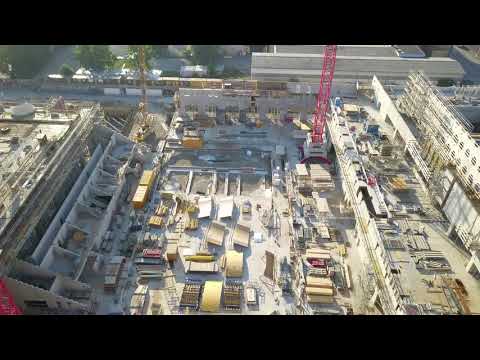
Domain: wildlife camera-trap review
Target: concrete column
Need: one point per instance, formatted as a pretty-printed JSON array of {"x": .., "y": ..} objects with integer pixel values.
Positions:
[
  {"x": 373, "y": 299},
  {"x": 227, "y": 176},
  {"x": 189, "y": 183},
  {"x": 395, "y": 134},
  {"x": 450, "y": 229},
  {"x": 473, "y": 264}
]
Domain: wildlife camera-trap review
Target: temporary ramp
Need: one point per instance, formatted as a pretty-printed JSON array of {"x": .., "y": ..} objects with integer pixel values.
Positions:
[
  {"x": 205, "y": 207},
  {"x": 225, "y": 208},
  {"x": 215, "y": 233},
  {"x": 234, "y": 264},
  {"x": 212, "y": 294},
  {"x": 241, "y": 235}
]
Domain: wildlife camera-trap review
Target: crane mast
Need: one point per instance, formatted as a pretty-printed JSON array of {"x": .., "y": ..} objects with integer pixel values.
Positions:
[
  {"x": 143, "y": 82},
  {"x": 314, "y": 147},
  {"x": 320, "y": 115}
]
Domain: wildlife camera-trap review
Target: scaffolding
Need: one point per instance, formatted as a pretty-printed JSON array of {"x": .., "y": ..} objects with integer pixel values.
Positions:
[{"x": 441, "y": 126}]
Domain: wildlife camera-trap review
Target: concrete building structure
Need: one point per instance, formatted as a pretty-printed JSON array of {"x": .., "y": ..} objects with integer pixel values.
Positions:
[
  {"x": 55, "y": 277},
  {"x": 447, "y": 156}
]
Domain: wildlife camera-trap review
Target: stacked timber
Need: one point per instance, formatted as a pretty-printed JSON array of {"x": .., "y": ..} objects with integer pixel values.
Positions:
[
  {"x": 156, "y": 221},
  {"x": 232, "y": 294},
  {"x": 112, "y": 273},
  {"x": 319, "y": 290},
  {"x": 137, "y": 303},
  {"x": 191, "y": 295}
]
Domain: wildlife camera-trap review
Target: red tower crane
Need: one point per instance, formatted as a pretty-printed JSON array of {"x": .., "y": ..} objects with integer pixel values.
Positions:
[
  {"x": 314, "y": 146},
  {"x": 7, "y": 305},
  {"x": 320, "y": 115}
]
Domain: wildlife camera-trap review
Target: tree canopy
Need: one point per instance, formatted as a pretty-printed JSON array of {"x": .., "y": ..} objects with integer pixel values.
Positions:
[
  {"x": 97, "y": 57},
  {"x": 66, "y": 70},
  {"x": 159, "y": 50},
  {"x": 133, "y": 51},
  {"x": 205, "y": 54},
  {"x": 25, "y": 60}
]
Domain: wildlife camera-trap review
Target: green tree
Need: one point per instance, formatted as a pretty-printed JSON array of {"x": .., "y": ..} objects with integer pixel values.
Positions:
[
  {"x": 205, "y": 54},
  {"x": 133, "y": 50},
  {"x": 26, "y": 60},
  {"x": 66, "y": 70},
  {"x": 159, "y": 50},
  {"x": 212, "y": 70},
  {"x": 97, "y": 57},
  {"x": 4, "y": 60}
]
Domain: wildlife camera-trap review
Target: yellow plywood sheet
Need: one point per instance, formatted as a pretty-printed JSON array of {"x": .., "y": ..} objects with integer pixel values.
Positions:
[
  {"x": 319, "y": 299},
  {"x": 234, "y": 264},
  {"x": 140, "y": 197},
  {"x": 147, "y": 179},
  {"x": 192, "y": 142},
  {"x": 313, "y": 281},
  {"x": 212, "y": 294},
  {"x": 319, "y": 291},
  {"x": 155, "y": 221}
]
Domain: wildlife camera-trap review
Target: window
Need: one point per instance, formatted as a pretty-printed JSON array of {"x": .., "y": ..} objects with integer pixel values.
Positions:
[
  {"x": 474, "y": 160},
  {"x": 212, "y": 108},
  {"x": 477, "y": 187},
  {"x": 470, "y": 179},
  {"x": 455, "y": 138},
  {"x": 467, "y": 152},
  {"x": 457, "y": 162},
  {"x": 191, "y": 108},
  {"x": 273, "y": 111},
  {"x": 36, "y": 303},
  {"x": 461, "y": 145},
  {"x": 464, "y": 169},
  {"x": 453, "y": 157}
]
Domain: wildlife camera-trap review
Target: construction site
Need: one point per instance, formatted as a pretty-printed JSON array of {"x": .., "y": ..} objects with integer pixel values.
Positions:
[{"x": 273, "y": 199}]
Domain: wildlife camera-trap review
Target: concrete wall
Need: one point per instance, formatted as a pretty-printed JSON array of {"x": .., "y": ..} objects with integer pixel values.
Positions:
[
  {"x": 65, "y": 209},
  {"x": 300, "y": 103},
  {"x": 22, "y": 292},
  {"x": 465, "y": 214}
]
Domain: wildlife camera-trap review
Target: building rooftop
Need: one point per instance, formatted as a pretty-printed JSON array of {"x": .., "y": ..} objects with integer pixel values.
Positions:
[
  {"x": 342, "y": 50},
  {"x": 352, "y": 67}
]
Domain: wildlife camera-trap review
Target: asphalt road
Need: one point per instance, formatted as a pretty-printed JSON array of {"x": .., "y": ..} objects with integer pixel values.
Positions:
[{"x": 470, "y": 66}]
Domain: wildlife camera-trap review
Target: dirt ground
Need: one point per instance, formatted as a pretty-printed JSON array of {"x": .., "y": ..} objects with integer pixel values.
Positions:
[{"x": 201, "y": 184}]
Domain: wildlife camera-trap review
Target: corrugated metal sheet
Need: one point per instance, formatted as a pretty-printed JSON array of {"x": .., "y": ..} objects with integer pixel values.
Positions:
[{"x": 212, "y": 294}]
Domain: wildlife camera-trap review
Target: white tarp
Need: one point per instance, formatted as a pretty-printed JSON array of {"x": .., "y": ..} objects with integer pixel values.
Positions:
[
  {"x": 225, "y": 207},
  {"x": 205, "y": 207}
]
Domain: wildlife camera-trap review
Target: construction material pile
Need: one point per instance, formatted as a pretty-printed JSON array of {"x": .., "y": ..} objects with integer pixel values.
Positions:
[
  {"x": 232, "y": 295},
  {"x": 191, "y": 294},
  {"x": 319, "y": 290},
  {"x": 112, "y": 273},
  {"x": 137, "y": 303}
]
